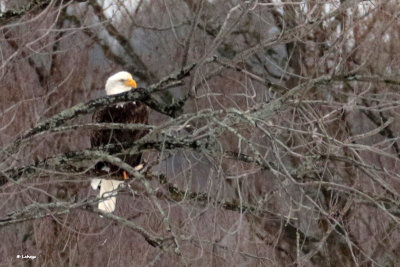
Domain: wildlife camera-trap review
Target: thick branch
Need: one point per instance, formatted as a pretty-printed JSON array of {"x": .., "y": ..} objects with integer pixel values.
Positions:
[{"x": 67, "y": 162}]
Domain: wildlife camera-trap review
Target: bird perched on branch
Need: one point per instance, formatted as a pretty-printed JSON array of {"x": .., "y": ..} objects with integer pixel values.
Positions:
[{"x": 128, "y": 112}]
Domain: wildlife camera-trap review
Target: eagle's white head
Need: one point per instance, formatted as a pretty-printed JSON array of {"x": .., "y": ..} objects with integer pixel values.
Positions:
[{"x": 119, "y": 83}]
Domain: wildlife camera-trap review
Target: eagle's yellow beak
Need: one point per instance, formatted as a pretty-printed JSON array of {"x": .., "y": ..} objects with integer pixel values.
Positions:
[{"x": 131, "y": 83}]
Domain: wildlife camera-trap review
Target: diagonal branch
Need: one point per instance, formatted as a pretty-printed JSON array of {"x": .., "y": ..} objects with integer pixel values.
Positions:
[
  {"x": 140, "y": 69},
  {"x": 41, "y": 210}
]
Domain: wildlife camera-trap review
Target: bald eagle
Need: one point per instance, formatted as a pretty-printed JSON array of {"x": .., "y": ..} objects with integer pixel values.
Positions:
[{"x": 130, "y": 112}]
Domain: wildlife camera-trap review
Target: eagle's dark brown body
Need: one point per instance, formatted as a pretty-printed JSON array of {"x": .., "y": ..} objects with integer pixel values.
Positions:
[{"x": 132, "y": 112}]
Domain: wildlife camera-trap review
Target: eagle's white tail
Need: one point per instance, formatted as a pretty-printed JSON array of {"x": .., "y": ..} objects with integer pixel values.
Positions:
[{"x": 108, "y": 190}]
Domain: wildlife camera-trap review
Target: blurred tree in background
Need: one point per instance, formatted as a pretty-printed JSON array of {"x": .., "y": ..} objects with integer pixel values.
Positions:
[{"x": 274, "y": 138}]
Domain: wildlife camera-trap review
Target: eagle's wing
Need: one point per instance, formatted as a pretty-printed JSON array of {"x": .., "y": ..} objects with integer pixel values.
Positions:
[{"x": 132, "y": 112}]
